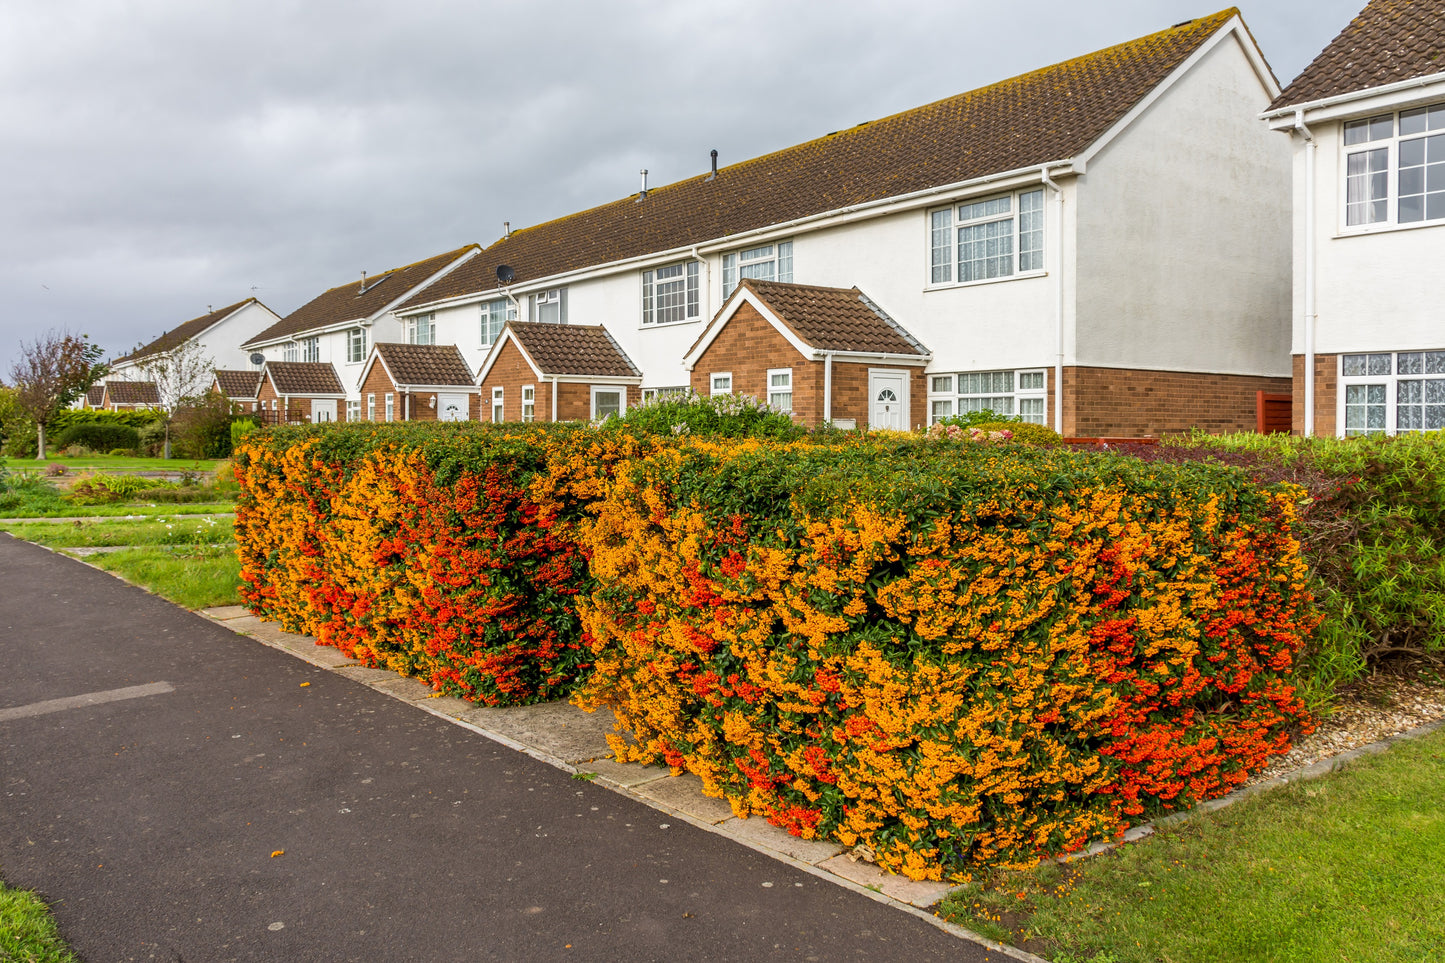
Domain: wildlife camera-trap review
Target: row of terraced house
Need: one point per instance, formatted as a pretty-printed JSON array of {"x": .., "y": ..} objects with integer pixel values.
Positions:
[{"x": 1150, "y": 238}]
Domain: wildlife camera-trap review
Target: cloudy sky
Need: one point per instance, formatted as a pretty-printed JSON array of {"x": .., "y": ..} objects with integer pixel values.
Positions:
[{"x": 160, "y": 156}]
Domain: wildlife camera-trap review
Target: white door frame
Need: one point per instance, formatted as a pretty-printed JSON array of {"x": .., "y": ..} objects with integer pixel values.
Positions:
[{"x": 878, "y": 378}]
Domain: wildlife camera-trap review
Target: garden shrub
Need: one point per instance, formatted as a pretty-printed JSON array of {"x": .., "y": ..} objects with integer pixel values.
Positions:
[
  {"x": 99, "y": 489},
  {"x": 953, "y": 654},
  {"x": 723, "y": 416},
  {"x": 98, "y": 436}
]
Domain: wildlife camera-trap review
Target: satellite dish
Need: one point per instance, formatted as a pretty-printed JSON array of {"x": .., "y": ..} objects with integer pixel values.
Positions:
[
  {"x": 505, "y": 274},
  {"x": 258, "y": 359}
]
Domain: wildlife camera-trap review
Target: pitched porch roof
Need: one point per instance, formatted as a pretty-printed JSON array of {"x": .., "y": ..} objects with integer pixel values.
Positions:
[
  {"x": 238, "y": 385},
  {"x": 569, "y": 352},
  {"x": 421, "y": 366},
  {"x": 303, "y": 379},
  {"x": 132, "y": 393}
]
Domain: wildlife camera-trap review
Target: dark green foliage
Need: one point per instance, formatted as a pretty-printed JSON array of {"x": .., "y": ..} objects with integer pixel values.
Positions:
[
  {"x": 98, "y": 436},
  {"x": 726, "y": 416}
]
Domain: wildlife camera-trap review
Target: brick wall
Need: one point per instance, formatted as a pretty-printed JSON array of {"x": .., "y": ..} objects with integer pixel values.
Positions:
[
  {"x": 1128, "y": 403},
  {"x": 1327, "y": 367},
  {"x": 379, "y": 383},
  {"x": 511, "y": 371},
  {"x": 749, "y": 346},
  {"x": 302, "y": 405}
]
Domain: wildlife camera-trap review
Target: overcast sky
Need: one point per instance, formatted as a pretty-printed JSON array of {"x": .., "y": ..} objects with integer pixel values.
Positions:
[{"x": 160, "y": 156}]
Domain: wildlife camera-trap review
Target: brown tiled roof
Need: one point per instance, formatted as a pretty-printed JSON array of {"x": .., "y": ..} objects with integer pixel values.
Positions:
[
  {"x": 184, "y": 332},
  {"x": 351, "y": 303},
  {"x": 132, "y": 393},
  {"x": 1390, "y": 40},
  {"x": 1047, "y": 115},
  {"x": 579, "y": 350},
  {"x": 426, "y": 364},
  {"x": 304, "y": 378},
  {"x": 94, "y": 395},
  {"x": 831, "y": 319},
  {"x": 238, "y": 384}
]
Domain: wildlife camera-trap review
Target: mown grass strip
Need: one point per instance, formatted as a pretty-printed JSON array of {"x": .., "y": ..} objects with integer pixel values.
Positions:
[
  {"x": 114, "y": 463},
  {"x": 163, "y": 530},
  {"x": 67, "y": 509},
  {"x": 193, "y": 577},
  {"x": 1347, "y": 867},
  {"x": 27, "y": 931}
]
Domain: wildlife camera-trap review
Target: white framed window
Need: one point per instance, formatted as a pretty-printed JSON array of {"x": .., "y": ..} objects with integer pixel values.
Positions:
[
  {"x": 1395, "y": 168},
  {"x": 550, "y": 307},
  {"x": 356, "y": 345},
  {"x": 311, "y": 349},
  {"x": 495, "y": 315},
  {"x": 529, "y": 403},
  {"x": 421, "y": 329},
  {"x": 1022, "y": 393},
  {"x": 982, "y": 240},
  {"x": 292, "y": 352},
  {"x": 766, "y": 262},
  {"x": 371, "y": 407},
  {"x": 671, "y": 294},
  {"x": 608, "y": 401},
  {"x": 660, "y": 394},
  {"x": 780, "y": 389},
  {"x": 497, "y": 406},
  {"x": 390, "y": 407},
  {"x": 353, "y": 410},
  {"x": 722, "y": 383},
  {"x": 1392, "y": 392}
]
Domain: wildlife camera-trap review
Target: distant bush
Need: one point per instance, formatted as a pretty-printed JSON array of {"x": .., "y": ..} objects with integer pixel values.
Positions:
[
  {"x": 99, "y": 436},
  {"x": 99, "y": 489},
  {"x": 725, "y": 416}
]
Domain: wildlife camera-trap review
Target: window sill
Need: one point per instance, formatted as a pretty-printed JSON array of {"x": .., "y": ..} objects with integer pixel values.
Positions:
[
  {"x": 1024, "y": 276},
  {"x": 1367, "y": 231},
  {"x": 670, "y": 324}
]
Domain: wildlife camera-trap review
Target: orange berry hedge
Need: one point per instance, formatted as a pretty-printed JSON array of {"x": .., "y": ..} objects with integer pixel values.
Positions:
[{"x": 954, "y": 654}]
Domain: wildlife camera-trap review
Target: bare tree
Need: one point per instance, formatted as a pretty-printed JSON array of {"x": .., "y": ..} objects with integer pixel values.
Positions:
[
  {"x": 182, "y": 377},
  {"x": 51, "y": 373}
]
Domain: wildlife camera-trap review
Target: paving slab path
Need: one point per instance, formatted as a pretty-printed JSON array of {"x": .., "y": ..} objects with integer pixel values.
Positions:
[{"x": 180, "y": 792}]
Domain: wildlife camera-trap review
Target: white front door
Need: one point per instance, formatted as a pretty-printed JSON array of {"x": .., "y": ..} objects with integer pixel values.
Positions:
[
  {"x": 323, "y": 410},
  {"x": 888, "y": 391},
  {"x": 452, "y": 407}
]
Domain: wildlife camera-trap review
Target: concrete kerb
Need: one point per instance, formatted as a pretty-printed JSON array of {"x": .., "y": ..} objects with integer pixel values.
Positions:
[{"x": 635, "y": 781}]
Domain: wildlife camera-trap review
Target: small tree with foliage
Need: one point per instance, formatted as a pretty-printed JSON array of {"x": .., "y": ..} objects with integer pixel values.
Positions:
[
  {"x": 52, "y": 372},
  {"x": 182, "y": 377}
]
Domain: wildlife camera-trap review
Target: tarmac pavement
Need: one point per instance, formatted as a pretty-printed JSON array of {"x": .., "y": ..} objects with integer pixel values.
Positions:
[{"x": 198, "y": 796}]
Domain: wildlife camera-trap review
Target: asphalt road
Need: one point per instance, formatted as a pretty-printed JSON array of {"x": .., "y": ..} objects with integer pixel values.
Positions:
[{"x": 150, "y": 822}]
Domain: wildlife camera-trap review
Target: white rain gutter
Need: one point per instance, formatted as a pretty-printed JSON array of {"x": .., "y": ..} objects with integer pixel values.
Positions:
[
  {"x": 1340, "y": 100},
  {"x": 827, "y": 387},
  {"x": 1309, "y": 279},
  {"x": 1058, "y": 300}
]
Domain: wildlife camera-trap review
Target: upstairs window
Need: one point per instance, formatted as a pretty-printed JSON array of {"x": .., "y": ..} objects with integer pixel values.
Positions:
[
  {"x": 767, "y": 262},
  {"x": 1395, "y": 168},
  {"x": 421, "y": 329},
  {"x": 550, "y": 307},
  {"x": 495, "y": 315},
  {"x": 997, "y": 237},
  {"x": 671, "y": 294},
  {"x": 356, "y": 345},
  {"x": 292, "y": 352},
  {"x": 311, "y": 349}
]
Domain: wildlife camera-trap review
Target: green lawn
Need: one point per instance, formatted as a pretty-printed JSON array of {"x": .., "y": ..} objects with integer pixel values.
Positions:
[
  {"x": 27, "y": 932},
  {"x": 1350, "y": 867},
  {"x": 192, "y": 577},
  {"x": 113, "y": 463},
  {"x": 168, "y": 529}
]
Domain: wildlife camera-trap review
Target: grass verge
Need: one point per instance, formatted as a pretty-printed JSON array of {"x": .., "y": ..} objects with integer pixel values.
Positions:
[
  {"x": 27, "y": 931},
  {"x": 195, "y": 577},
  {"x": 114, "y": 463},
  {"x": 1347, "y": 867},
  {"x": 60, "y": 508},
  {"x": 168, "y": 529}
]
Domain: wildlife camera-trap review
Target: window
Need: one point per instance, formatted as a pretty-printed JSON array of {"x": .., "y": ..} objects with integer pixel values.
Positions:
[
  {"x": 550, "y": 307},
  {"x": 607, "y": 401},
  {"x": 529, "y": 403},
  {"x": 1395, "y": 168},
  {"x": 353, "y": 410},
  {"x": 371, "y": 407},
  {"x": 495, "y": 315},
  {"x": 671, "y": 294},
  {"x": 356, "y": 345},
  {"x": 421, "y": 329},
  {"x": 1006, "y": 393},
  {"x": 780, "y": 389},
  {"x": 663, "y": 394},
  {"x": 290, "y": 352},
  {"x": 497, "y": 409},
  {"x": 1388, "y": 393},
  {"x": 390, "y": 408},
  {"x": 769, "y": 262},
  {"x": 993, "y": 238},
  {"x": 311, "y": 349},
  {"x": 722, "y": 383}
]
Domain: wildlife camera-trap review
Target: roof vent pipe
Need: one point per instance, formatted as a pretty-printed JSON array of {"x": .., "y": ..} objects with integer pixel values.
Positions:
[
  {"x": 363, "y": 284},
  {"x": 506, "y": 229},
  {"x": 714, "y": 165},
  {"x": 643, "y": 193}
]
